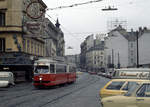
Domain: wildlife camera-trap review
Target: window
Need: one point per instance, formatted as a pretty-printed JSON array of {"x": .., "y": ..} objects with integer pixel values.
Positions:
[
  {"x": 60, "y": 68},
  {"x": 52, "y": 68},
  {"x": 132, "y": 53},
  {"x": 131, "y": 60},
  {"x": 24, "y": 45},
  {"x": 31, "y": 47},
  {"x": 141, "y": 91},
  {"x": 115, "y": 85},
  {"x": 2, "y": 45},
  {"x": 35, "y": 48},
  {"x": 42, "y": 69},
  {"x": 38, "y": 49},
  {"x": 131, "y": 45},
  {"x": 72, "y": 69},
  {"x": 144, "y": 91},
  {"x": 129, "y": 85},
  {"x": 28, "y": 48},
  {"x": 2, "y": 19}
]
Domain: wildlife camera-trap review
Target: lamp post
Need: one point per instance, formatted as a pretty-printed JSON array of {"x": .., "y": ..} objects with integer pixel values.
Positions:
[
  {"x": 113, "y": 58},
  {"x": 137, "y": 34},
  {"x": 118, "y": 61}
]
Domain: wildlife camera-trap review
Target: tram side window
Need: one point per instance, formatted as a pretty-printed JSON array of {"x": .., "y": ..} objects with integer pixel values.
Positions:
[
  {"x": 72, "y": 69},
  {"x": 60, "y": 68},
  {"x": 52, "y": 68}
]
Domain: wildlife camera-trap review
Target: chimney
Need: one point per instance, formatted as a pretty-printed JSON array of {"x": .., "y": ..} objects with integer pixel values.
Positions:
[
  {"x": 145, "y": 28},
  {"x": 140, "y": 29}
]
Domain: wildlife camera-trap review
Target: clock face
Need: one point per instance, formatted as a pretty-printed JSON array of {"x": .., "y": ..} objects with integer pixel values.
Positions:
[{"x": 35, "y": 10}]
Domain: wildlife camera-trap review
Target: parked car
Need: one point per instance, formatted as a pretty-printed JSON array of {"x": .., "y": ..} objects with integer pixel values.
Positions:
[
  {"x": 93, "y": 73},
  {"x": 6, "y": 79},
  {"x": 99, "y": 73},
  {"x": 137, "y": 96},
  {"x": 108, "y": 75},
  {"x": 118, "y": 87}
]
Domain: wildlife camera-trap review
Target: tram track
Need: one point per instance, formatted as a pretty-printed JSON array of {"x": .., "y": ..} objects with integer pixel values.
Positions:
[
  {"x": 26, "y": 98},
  {"x": 69, "y": 93}
]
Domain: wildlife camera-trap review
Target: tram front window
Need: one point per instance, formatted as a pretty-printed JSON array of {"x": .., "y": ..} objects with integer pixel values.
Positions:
[{"x": 41, "y": 69}]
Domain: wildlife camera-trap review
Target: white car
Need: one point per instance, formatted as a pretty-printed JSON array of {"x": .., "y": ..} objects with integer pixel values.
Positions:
[{"x": 6, "y": 79}]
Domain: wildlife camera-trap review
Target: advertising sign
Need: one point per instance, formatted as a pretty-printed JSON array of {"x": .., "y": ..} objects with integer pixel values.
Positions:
[{"x": 132, "y": 73}]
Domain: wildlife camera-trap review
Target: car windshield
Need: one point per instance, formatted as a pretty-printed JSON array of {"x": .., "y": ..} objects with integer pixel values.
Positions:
[
  {"x": 41, "y": 69},
  {"x": 131, "y": 88}
]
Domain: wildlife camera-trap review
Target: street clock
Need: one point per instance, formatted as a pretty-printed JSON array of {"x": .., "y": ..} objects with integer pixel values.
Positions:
[{"x": 35, "y": 10}]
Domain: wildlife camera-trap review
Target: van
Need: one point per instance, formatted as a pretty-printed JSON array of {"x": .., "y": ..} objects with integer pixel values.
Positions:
[
  {"x": 131, "y": 73},
  {"x": 6, "y": 79}
]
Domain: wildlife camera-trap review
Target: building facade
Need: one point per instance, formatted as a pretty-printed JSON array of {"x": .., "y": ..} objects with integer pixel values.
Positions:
[
  {"x": 144, "y": 56},
  {"x": 95, "y": 59},
  {"x": 92, "y": 51},
  {"x": 54, "y": 39},
  {"x": 126, "y": 44},
  {"x": 117, "y": 50},
  {"x": 23, "y": 36},
  {"x": 83, "y": 55},
  {"x": 73, "y": 59}
]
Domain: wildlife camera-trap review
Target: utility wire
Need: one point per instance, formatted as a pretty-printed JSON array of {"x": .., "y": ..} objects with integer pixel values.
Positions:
[
  {"x": 73, "y": 5},
  {"x": 74, "y": 35},
  {"x": 61, "y": 26}
]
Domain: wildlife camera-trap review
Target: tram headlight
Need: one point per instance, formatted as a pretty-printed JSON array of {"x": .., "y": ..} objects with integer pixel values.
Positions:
[{"x": 40, "y": 79}]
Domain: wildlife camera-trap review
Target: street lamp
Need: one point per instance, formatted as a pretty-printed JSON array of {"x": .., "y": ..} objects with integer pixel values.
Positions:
[{"x": 137, "y": 34}]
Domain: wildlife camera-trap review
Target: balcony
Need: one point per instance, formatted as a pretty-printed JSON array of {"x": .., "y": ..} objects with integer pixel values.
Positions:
[{"x": 10, "y": 29}]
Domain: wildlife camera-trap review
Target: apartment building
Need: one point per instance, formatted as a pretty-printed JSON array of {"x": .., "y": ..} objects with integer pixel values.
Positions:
[
  {"x": 124, "y": 45},
  {"x": 93, "y": 54}
]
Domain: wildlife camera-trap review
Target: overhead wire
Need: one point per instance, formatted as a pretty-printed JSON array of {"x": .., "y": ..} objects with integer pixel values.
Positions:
[
  {"x": 77, "y": 4},
  {"x": 73, "y": 5},
  {"x": 71, "y": 34}
]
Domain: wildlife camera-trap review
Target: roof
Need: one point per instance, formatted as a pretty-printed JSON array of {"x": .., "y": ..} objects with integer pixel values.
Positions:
[{"x": 131, "y": 36}]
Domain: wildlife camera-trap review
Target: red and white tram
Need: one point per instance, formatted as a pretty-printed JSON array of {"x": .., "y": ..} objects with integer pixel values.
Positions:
[{"x": 48, "y": 72}]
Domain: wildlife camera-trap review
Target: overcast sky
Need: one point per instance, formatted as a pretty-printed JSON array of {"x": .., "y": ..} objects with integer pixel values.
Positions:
[{"x": 80, "y": 21}]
